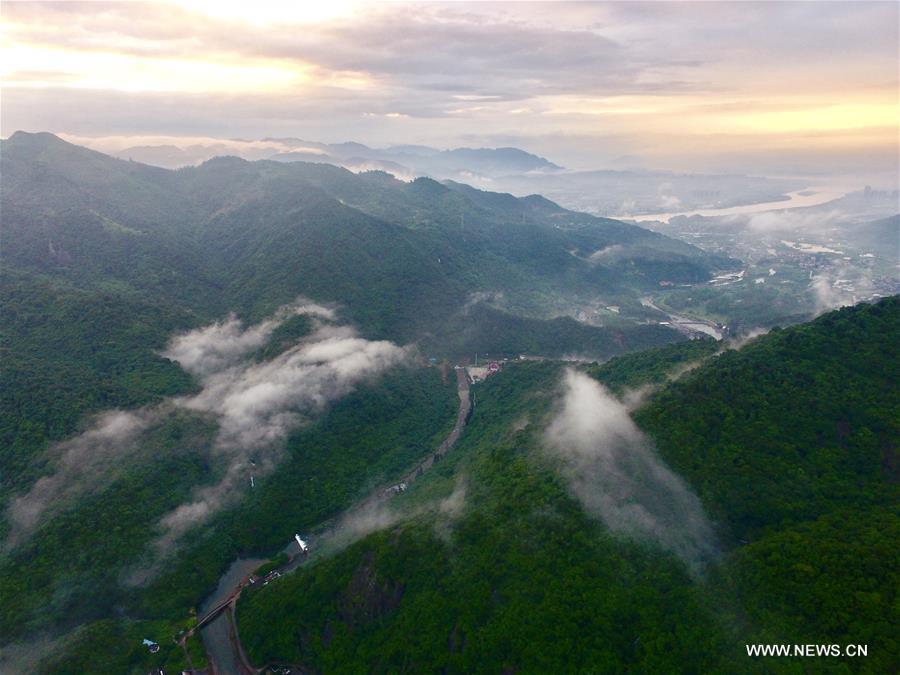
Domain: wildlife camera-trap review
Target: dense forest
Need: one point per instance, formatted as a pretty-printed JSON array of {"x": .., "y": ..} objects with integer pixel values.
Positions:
[
  {"x": 789, "y": 441},
  {"x": 103, "y": 260},
  {"x": 792, "y": 444},
  {"x": 70, "y": 573},
  {"x": 520, "y": 580}
]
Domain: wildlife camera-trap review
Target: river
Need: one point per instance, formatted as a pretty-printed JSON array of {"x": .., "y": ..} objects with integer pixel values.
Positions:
[
  {"x": 220, "y": 637},
  {"x": 812, "y": 196}
]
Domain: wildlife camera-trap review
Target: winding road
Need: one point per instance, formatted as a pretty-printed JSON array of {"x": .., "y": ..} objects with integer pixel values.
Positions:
[
  {"x": 217, "y": 622},
  {"x": 685, "y": 324}
]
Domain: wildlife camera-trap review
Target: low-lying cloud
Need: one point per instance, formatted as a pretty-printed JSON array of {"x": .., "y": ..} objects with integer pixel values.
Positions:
[
  {"x": 83, "y": 461},
  {"x": 791, "y": 221},
  {"x": 377, "y": 514},
  {"x": 840, "y": 286},
  {"x": 740, "y": 341},
  {"x": 612, "y": 469},
  {"x": 607, "y": 254},
  {"x": 495, "y": 299},
  {"x": 256, "y": 404},
  {"x": 213, "y": 348}
]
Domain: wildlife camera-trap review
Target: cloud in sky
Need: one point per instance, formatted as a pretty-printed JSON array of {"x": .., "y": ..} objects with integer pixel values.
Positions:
[{"x": 669, "y": 82}]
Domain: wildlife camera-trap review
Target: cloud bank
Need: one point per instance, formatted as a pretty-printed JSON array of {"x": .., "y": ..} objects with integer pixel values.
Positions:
[
  {"x": 379, "y": 513},
  {"x": 211, "y": 349},
  {"x": 840, "y": 286},
  {"x": 612, "y": 469},
  {"x": 258, "y": 404},
  {"x": 255, "y": 403}
]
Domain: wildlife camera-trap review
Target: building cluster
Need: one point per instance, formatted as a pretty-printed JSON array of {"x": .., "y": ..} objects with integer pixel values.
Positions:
[{"x": 481, "y": 373}]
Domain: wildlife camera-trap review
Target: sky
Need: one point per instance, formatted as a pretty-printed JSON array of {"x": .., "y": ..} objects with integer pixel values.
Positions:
[{"x": 772, "y": 87}]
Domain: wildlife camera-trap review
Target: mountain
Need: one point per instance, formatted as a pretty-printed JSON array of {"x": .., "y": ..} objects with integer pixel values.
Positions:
[
  {"x": 96, "y": 238},
  {"x": 791, "y": 445},
  {"x": 417, "y": 248},
  {"x": 71, "y": 579},
  {"x": 168, "y": 407},
  {"x": 165, "y": 156},
  {"x": 422, "y": 160},
  {"x": 484, "y": 161},
  {"x": 607, "y": 192},
  {"x": 106, "y": 260},
  {"x": 413, "y": 160}
]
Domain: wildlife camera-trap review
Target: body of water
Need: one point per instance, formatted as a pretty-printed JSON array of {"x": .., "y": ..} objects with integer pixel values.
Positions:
[
  {"x": 812, "y": 196},
  {"x": 237, "y": 572},
  {"x": 219, "y": 636}
]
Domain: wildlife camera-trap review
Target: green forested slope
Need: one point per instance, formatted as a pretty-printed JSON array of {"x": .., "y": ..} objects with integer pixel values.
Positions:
[
  {"x": 792, "y": 426},
  {"x": 488, "y": 330},
  {"x": 791, "y": 443},
  {"x": 68, "y": 351},
  {"x": 72, "y": 569},
  {"x": 87, "y": 237},
  {"x": 197, "y": 224},
  {"x": 653, "y": 366},
  {"x": 520, "y": 581},
  {"x": 104, "y": 260}
]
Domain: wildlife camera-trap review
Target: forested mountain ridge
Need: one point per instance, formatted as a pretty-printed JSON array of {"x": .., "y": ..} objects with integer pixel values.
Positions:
[
  {"x": 789, "y": 443},
  {"x": 137, "y": 252},
  {"x": 65, "y": 207},
  {"x": 793, "y": 443},
  {"x": 104, "y": 261},
  {"x": 794, "y": 423},
  {"x": 519, "y": 578}
]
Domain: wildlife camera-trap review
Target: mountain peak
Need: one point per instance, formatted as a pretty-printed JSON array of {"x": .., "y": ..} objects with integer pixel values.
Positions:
[
  {"x": 27, "y": 144},
  {"x": 35, "y": 138}
]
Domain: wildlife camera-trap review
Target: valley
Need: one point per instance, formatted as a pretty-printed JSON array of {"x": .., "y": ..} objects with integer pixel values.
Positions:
[
  {"x": 400, "y": 594},
  {"x": 217, "y": 619},
  {"x": 517, "y": 338},
  {"x": 283, "y": 348}
]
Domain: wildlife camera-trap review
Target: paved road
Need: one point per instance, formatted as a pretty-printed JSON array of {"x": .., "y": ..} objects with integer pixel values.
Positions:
[
  {"x": 383, "y": 495},
  {"x": 223, "y": 646},
  {"x": 685, "y": 324}
]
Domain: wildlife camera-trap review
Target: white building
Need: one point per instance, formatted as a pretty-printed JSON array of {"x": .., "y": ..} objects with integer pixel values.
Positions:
[{"x": 304, "y": 547}]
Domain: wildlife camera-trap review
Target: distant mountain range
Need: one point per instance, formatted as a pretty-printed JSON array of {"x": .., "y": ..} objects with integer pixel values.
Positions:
[
  {"x": 401, "y": 257},
  {"x": 404, "y": 161},
  {"x": 603, "y": 192}
]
